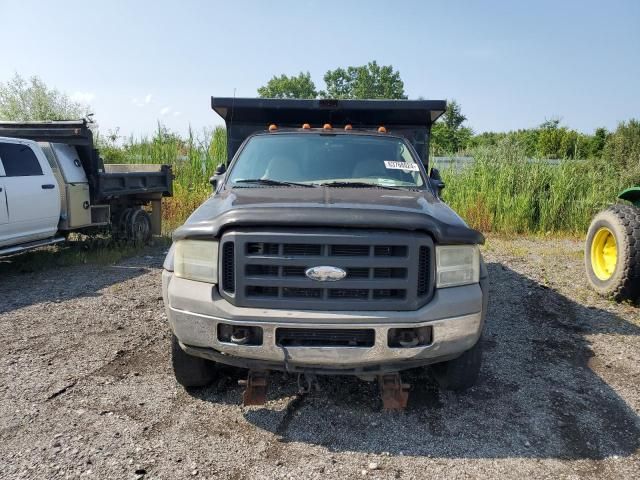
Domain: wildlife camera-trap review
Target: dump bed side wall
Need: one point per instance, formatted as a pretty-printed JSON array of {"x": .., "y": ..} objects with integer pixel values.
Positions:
[{"x": 139, "y": 180}]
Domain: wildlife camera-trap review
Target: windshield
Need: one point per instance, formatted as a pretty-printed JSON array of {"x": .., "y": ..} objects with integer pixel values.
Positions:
[{"x": 326, "y": 159}]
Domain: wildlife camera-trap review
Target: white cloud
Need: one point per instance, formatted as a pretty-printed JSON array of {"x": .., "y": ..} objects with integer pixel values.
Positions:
[
  {"x": 165, "y": 110},
  {"x": 142, "y": 102},
  {"x": 177, "y": 114},
  {"x": 83, "y": 97}
]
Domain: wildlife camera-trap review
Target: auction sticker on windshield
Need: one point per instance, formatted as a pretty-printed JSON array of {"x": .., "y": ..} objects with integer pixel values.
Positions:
[{"x": 401, "y": 165}]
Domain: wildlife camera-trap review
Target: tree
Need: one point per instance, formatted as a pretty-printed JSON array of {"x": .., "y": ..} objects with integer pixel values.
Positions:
[
  {"x": 31, "y": 100},
  {"x": 598, "y": 142},
  {"x": 555, "y": 141},
  {"x": 448, "y": 134},
  {"x": 289, "y": 87},
  {"x": 366, "y": 81}
]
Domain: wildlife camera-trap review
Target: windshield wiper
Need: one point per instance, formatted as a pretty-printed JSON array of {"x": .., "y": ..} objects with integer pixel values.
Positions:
[
  {"x": 358, "y": 185},
  {"x": 274, "y": 183}
]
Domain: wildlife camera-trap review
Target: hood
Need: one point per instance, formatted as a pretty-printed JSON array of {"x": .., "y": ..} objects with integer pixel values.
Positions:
[{"x": 328, "y": 207}]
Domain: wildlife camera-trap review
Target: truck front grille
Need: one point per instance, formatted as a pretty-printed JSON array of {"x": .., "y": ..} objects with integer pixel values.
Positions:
[{"x": 384, "y": 270}]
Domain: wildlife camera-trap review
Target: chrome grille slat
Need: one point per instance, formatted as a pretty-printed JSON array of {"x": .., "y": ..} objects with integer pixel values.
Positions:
[
  {"x": 304, "y": 282},
  {"x": 386, "y": 262}
]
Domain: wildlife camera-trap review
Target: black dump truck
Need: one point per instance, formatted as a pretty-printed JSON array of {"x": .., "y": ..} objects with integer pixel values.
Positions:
[
  {"x": 326, "y": 249},
  {"x": 53, "y": 181}
]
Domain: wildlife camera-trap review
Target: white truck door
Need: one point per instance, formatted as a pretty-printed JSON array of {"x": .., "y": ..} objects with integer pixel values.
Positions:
[
  {"x": 4, "y": 211},
  {"x": 32, "y": 193}
]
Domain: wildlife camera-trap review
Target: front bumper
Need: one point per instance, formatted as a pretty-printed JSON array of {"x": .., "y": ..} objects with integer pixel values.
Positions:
[{"x": 194, "y": 310}]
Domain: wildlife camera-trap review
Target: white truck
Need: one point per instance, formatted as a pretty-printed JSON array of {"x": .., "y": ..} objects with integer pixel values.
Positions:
[{"x": 53, "y": 181}]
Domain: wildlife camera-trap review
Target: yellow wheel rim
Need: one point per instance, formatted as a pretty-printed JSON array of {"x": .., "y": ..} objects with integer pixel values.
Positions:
[{"x": 604, "y": 254}]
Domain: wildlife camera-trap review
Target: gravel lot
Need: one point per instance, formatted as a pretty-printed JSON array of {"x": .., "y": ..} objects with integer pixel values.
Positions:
[{"x": 86, "y": 388}]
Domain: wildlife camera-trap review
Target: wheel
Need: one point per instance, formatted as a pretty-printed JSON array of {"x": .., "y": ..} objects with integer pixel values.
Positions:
[
  {"x": 612, "y": 253},
  {"x": 190, "y": 371},
  {"x": 119, "y": 221},
  {"x": 460, "y": 373},
  {"x": 138, "y": 227}
]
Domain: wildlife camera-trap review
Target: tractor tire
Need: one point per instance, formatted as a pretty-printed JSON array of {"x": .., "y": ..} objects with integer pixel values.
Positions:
[
  {"x": 190, "y": 371},
  {"x": 460, "y": 373},
  {"x": 612, "y": 253}
]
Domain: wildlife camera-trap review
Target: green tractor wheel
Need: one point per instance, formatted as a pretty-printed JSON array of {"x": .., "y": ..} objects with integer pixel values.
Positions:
[{"x": 612, "y": 253}]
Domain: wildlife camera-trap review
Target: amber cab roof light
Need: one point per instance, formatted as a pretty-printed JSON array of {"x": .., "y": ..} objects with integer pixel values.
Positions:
[
  {"x": 382, "y": 129},
  {"x": 327, "y": 126},
  {"x": 306, "y": 126},
  {"x": 273, "y": 127},
  {"x": 348, "y": 127}
]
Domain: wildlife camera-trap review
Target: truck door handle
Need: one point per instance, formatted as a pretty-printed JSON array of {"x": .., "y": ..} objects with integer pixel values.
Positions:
[
  {"x": 48, "y": 186},
  {"x": 0, "y": 189}
]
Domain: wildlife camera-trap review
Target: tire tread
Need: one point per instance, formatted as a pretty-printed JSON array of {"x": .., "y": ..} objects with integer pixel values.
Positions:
[
  {"x": 190, "y": 371},
  {"x": 629, "y": 287}
]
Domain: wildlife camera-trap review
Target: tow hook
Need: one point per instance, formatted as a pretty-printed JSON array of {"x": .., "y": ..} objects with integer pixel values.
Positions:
[
  {"x": 307, "y": 382},
  {"x": 394, "y": 393},
  {"x": 255, "y": 392}
]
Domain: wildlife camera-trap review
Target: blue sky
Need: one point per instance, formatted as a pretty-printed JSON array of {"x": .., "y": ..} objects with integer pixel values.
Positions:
[{"x": 511, "y": 64}]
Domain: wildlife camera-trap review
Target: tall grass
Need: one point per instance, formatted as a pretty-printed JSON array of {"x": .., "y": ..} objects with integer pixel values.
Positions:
[
  {"x": 504, "y": 191},
  {"x": 501, "y": 191}
]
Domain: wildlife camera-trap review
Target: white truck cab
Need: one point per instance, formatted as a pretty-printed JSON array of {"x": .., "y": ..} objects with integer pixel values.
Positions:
[{"x": 29, "y": 193}]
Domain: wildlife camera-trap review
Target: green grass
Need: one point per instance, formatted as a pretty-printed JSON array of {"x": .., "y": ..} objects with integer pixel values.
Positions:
[
  {"x": 79, "y": 250},
  {"x": 502, "y": 191}
]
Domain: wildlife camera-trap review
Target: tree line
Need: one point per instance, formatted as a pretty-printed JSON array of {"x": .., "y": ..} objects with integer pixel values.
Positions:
[{"x": 451, "y": 135}]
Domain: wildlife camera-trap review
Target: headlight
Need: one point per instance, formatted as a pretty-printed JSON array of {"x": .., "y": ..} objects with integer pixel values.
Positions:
[
  {"x": 457, "y": 265},
  {"x": 196, "y": 260}
]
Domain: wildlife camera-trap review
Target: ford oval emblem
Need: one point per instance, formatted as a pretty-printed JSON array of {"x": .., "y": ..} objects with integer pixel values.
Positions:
[{"x": 325, "y": 274}]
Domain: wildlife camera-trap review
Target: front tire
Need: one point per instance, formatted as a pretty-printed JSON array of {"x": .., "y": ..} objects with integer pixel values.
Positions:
[
  {"x": 612, "y": 253},
  {"x": 190, "y": 371},
  {"x": 460, "y": 373}
]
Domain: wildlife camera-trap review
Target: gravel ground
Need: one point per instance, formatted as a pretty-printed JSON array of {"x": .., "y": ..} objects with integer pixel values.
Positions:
[{"x": 86, "y": 388}]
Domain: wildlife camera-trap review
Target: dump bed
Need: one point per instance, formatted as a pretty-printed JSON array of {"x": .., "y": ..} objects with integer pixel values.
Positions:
[
  {"x": 409, "y": 118},
  {"x": 105, "y": 181}
]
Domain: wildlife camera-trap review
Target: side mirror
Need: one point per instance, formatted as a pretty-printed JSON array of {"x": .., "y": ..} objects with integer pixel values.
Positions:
[
  {"x": 218, "y": 175},
  {"x": 436, "y": 180}
]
